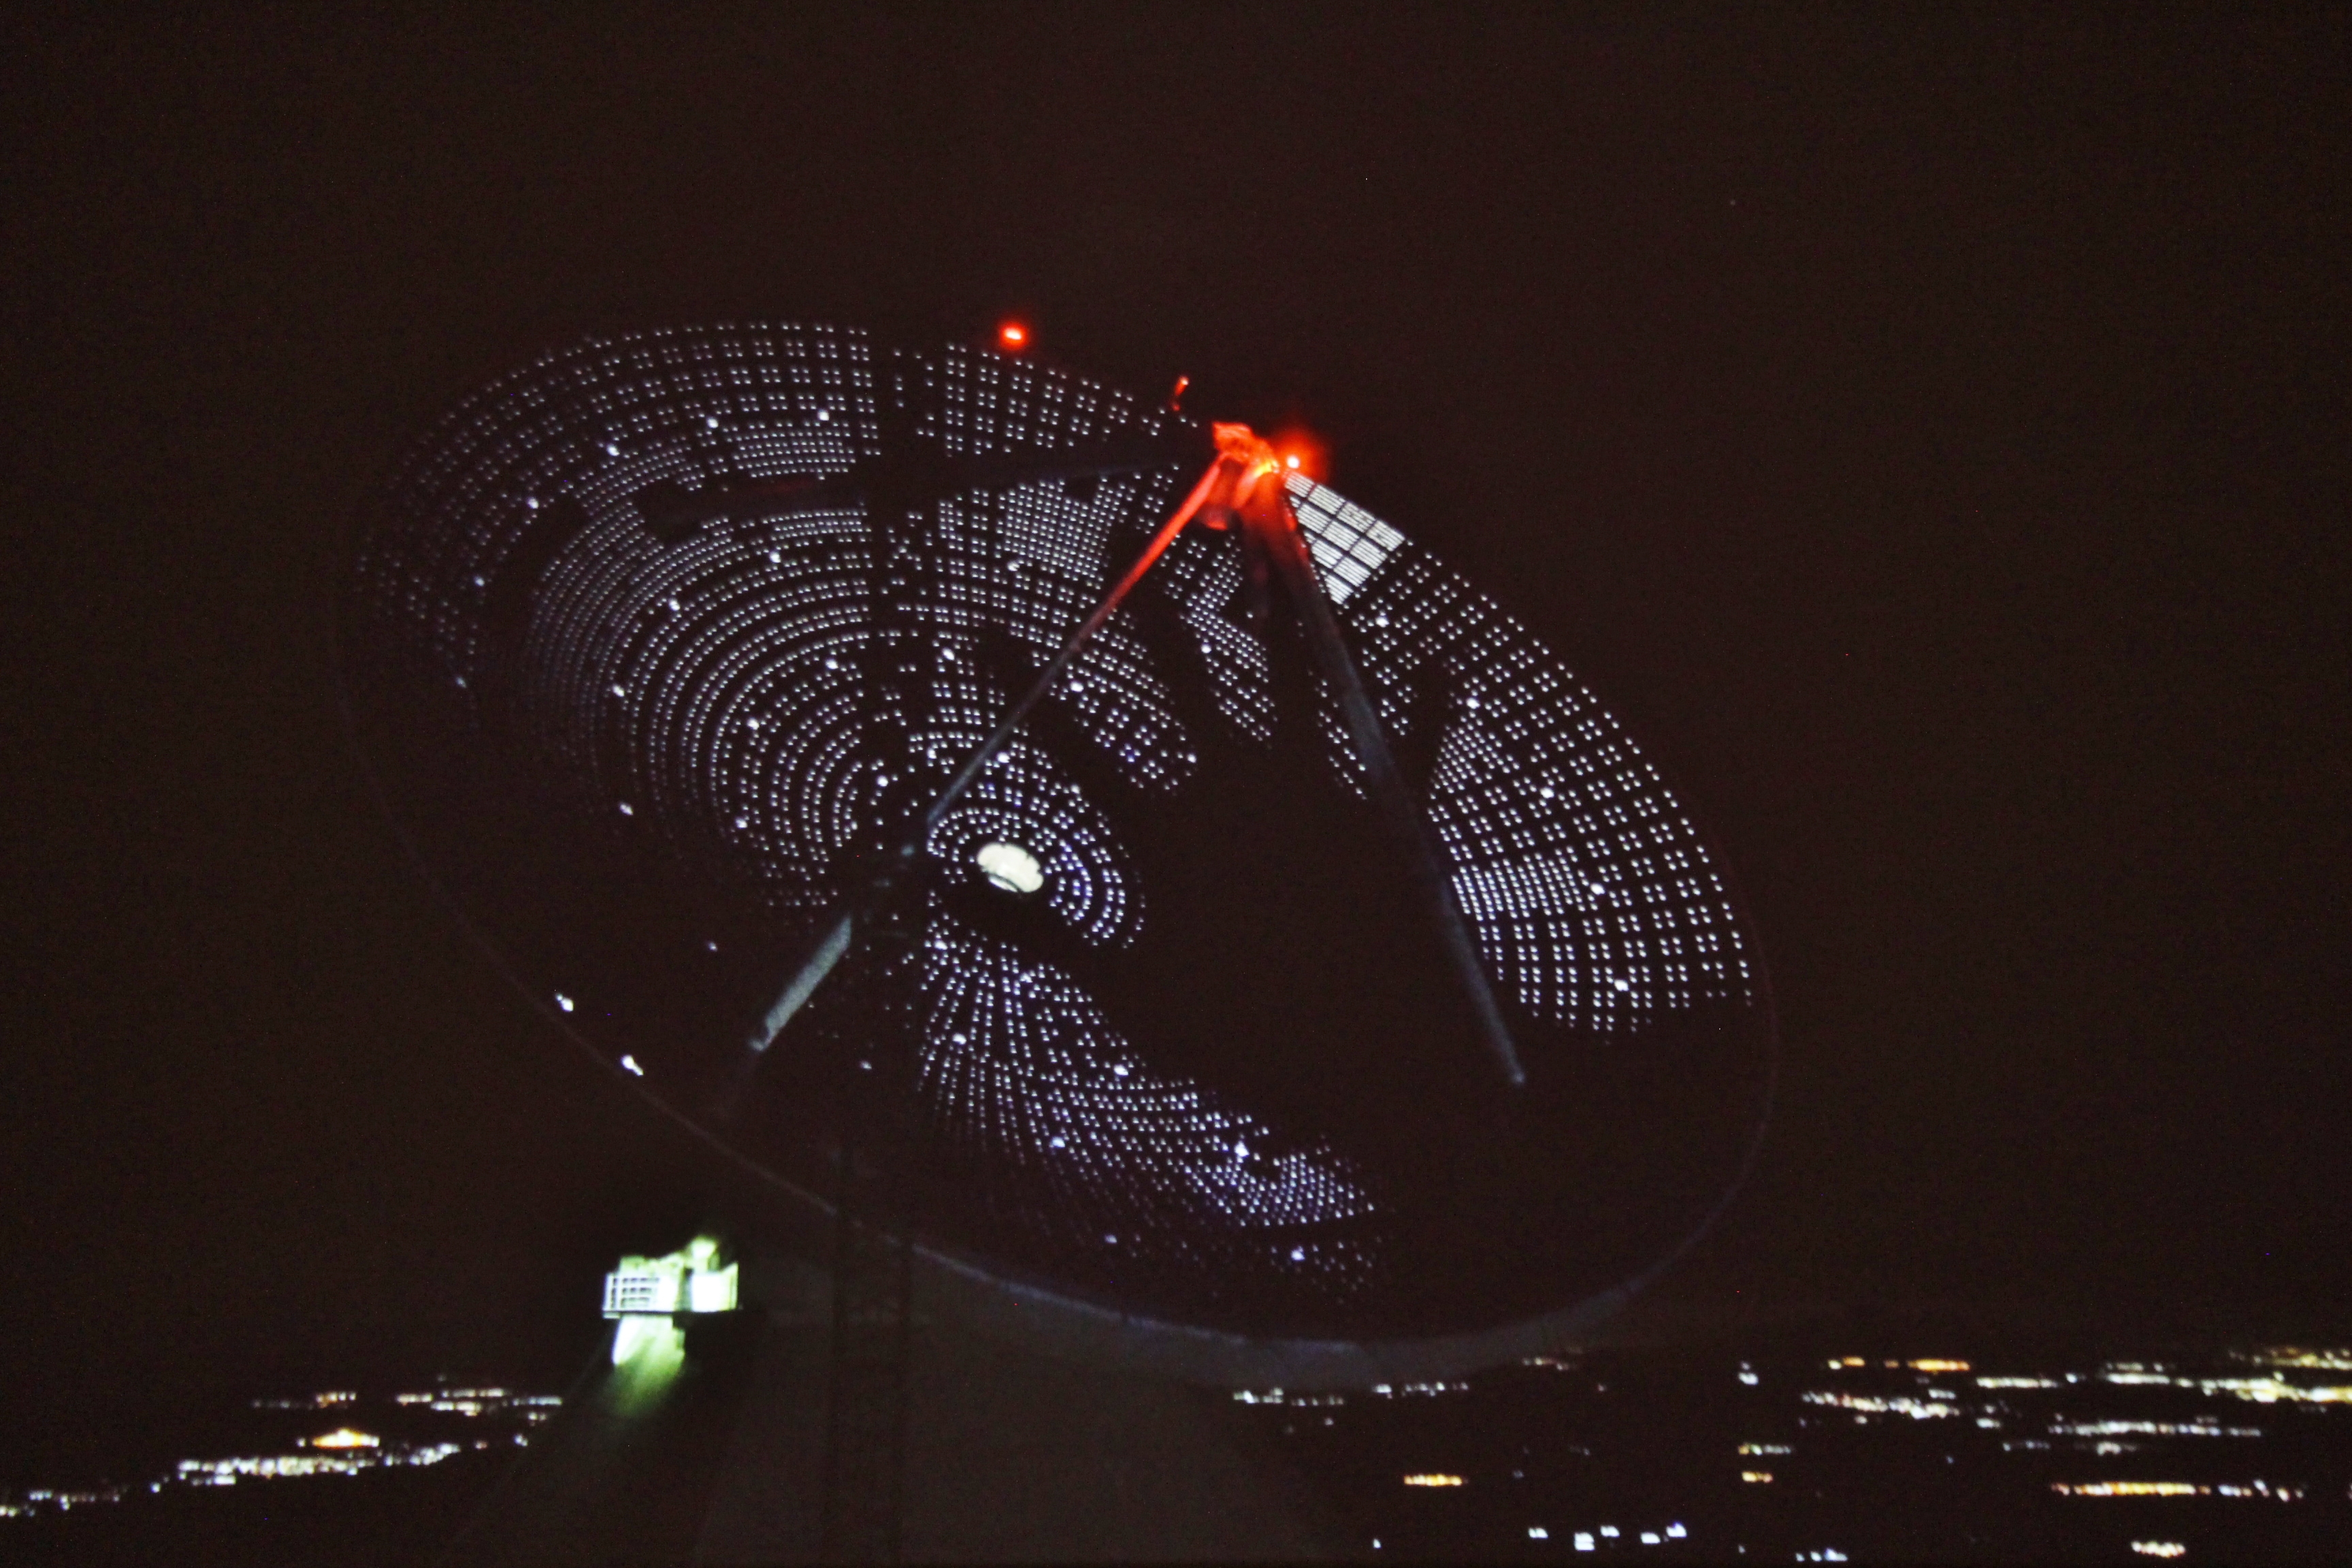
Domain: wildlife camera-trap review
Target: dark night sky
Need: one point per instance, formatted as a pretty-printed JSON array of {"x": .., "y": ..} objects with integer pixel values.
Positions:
[{"x": 1926, "y": 429}]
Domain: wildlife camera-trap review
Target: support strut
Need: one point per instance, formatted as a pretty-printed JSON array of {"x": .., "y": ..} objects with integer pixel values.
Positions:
[
  {"x": 837, "y": 934},
  {"x": 1271, "y": 525}
]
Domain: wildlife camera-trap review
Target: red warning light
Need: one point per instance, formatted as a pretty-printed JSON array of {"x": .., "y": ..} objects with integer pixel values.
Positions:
[
  {"x": 1301, "y": 452},
  {"x": 1014, "y": 336}
]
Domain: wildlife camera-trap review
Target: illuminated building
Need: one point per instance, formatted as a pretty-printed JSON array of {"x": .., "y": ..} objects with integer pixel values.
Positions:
[
  {"x": 691, "y": 1280},
  {"x": 648, "y": 1296}
]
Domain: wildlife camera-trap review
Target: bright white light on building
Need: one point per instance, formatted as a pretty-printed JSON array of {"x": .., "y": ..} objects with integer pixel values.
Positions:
[
  {"x": 1010, "y": 868},
  {"x": 712, "y": 1291},
  {"x": 629, "y": 1064},
  {"x": 2160, "y": 1548},
  {"x": 1538, "y": 1532}
]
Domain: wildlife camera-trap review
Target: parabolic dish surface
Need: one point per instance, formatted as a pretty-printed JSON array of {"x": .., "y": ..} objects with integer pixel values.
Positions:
[{"x": 1208, "y": 1076}]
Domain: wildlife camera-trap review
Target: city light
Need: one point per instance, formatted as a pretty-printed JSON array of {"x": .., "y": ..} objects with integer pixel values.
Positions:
[
  {"x": 345, "y": 1451},
  {"x": 2191, "y": 1460},
  {"x": 1899, "y": 1404},
  {"x": 2290, "y": 1356},
  {"x": 345, "y": 1437},
  {"x": 2176, "y": 1489},
  {"x": 2151, "y": 1429}
]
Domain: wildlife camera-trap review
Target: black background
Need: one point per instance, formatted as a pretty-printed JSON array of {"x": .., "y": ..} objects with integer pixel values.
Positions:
[{"x": 1924, "y": 427}]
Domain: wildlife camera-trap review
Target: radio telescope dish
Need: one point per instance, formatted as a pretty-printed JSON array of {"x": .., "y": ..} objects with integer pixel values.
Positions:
[{"x": 658, "y": 643}]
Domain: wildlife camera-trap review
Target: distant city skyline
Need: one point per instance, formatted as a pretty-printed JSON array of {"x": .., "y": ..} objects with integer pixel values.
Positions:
[{"x": 1762, "y": 1451}]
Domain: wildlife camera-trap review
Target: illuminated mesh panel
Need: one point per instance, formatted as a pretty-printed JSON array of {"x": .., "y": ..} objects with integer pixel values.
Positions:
[
  {"x": 1348, "y": 542},
  {"x": 1594, "y": 898},
  {"x": 708, "y": 689}
]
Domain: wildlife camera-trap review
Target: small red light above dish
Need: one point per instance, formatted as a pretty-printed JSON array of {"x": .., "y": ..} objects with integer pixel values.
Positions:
[{"x": 1013, "y": 336}]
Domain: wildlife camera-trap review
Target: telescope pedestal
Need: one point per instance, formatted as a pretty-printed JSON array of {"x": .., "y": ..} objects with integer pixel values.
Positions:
[{"x": 1012, "y": 1455}]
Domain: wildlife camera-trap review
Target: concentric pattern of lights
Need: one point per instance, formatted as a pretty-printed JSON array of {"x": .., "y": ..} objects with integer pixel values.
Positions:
[
  {"x": 1020, "y": 800},
  {"x": 715, "y": 690}
]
